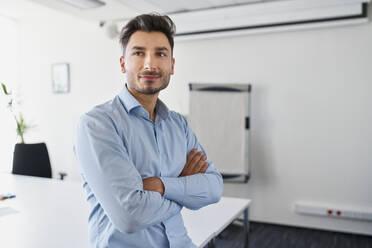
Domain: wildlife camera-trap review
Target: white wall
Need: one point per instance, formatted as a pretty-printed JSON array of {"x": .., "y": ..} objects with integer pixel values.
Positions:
[
  {"x": 311, "y": 102},
  {"x": 311, "y": 130},
  {"x": 49, "y": 37},
  {"x": 8, "y": 76},
  {"x": 311, "y": 117}
]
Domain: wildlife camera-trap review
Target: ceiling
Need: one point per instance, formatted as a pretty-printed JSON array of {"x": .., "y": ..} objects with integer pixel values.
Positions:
[
  {"x": 113, "y": 9},
  {"x": 126, "y": 9}
]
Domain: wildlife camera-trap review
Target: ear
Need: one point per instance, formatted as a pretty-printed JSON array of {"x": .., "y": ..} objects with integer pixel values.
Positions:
[
  {"x": 173, "y": 61},
  {"x": 122, "y": 64}
]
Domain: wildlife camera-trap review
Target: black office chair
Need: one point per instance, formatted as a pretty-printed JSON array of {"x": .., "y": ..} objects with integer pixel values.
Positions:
[{"x": 33, "y": 160}]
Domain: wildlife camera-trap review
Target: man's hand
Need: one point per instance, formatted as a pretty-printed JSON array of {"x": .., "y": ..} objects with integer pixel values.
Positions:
[
  {"x": 195, "y": 163},
  {"x": 153, "y": 184}
]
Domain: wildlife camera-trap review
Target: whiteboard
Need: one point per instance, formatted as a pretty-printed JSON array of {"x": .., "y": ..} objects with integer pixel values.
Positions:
[{"x": 219, "y": 116}]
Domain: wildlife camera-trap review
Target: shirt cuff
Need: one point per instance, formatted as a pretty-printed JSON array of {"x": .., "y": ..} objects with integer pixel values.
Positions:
[{"x": 174, "y": 188}]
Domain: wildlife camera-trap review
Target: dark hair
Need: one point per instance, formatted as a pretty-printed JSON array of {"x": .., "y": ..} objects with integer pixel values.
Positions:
[{"x": 148, "y": 23}]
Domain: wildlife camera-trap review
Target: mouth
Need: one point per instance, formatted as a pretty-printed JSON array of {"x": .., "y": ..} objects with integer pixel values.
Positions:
[{"x": 149, "y": 77}]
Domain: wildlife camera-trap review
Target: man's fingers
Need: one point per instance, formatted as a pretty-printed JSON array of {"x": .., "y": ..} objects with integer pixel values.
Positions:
[
  {"x": 204, "y": 167},
  {"x": 195, "y": 160},
  {"x": 200, "y": 163},
  {"x": 195, "y": 163},
  {"x": 191, "y": 154}
]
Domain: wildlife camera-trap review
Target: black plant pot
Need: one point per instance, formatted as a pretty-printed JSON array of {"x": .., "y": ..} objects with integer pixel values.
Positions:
[{"x": 31, "y": 160}]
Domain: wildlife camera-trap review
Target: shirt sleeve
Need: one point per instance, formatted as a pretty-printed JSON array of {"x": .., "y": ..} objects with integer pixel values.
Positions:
[
  {"x": 197, "y": 190},
  {"x": 113, "y": 178}
]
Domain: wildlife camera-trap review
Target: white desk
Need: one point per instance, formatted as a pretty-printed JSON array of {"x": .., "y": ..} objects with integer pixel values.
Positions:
[
  {"x": 206, "y": 223},
  {"x": 54, "y": 213}
]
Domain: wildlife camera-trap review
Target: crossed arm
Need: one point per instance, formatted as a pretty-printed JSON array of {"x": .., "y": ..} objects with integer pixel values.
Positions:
[
  {"x": 137, "y": 204},
  {"x": 195, "y": 164},
  {"x": 199, "y": 183}
]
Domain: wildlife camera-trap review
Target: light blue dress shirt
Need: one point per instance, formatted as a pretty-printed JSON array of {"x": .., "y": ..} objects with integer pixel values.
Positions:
[{"x": 117, "y": 145}]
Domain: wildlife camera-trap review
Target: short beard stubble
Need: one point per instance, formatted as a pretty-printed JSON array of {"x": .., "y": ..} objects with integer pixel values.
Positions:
[{"x": 150, "y": 91}]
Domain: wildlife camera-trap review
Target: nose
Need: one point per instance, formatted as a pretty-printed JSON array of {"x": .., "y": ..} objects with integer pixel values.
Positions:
[{"x": 149, "y": 63}]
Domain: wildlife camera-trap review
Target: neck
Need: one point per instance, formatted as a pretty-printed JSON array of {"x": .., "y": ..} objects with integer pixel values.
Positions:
[{"x": 148, "y": 102}]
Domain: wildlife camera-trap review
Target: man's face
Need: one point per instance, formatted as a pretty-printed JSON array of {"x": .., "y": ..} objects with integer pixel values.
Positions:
[{"x": 147, "y": 62}]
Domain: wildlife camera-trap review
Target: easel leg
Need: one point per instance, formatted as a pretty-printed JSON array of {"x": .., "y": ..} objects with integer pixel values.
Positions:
[{"x": 246, "y": 228}]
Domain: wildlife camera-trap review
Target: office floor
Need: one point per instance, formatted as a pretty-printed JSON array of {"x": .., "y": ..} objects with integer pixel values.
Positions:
[{"x": 264, "y": 235}]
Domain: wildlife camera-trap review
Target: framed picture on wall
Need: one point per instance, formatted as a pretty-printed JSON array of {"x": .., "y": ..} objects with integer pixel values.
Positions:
[{"x": 60, "y": 78}]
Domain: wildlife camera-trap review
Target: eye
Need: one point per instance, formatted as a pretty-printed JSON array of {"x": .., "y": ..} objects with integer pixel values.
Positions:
[
  {"x": 161, "y": 54},
  {"x": 138, "y": 53}
]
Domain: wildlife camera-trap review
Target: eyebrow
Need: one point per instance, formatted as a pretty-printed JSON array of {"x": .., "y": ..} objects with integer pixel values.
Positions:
[
  {"x": 162, "y": 49},
  {"x": 138, "y": 48},
  {"x": 143, "y": 48}
]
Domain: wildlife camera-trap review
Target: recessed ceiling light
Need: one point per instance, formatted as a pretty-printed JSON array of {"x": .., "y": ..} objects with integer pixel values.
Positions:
[{"x": 84, "y": 4}]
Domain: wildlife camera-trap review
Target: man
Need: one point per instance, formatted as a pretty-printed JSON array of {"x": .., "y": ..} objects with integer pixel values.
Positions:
[{"x": 140, "y": 162}]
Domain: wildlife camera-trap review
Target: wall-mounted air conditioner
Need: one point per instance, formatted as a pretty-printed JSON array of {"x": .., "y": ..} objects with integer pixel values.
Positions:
[{"x": 269, "y": 16}]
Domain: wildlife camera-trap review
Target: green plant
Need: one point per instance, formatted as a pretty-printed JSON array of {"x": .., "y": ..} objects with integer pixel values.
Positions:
[{"x": 22, "y": 127}]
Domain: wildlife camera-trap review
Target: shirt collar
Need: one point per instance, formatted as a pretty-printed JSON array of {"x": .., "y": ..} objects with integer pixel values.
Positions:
[
  {"x": 162, "y": 110},
  {"x": 128, "y": 100},
  {"x": 131, "y": 103}
]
